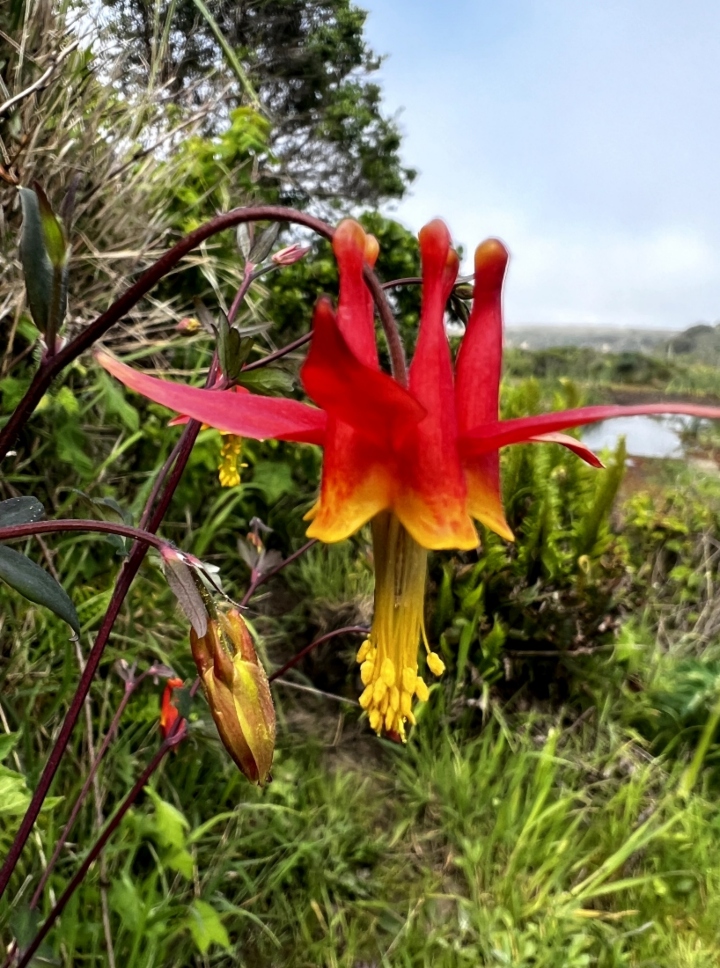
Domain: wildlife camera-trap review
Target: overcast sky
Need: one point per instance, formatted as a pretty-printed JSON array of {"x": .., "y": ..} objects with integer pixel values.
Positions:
[{"x": 584, "y": 133}]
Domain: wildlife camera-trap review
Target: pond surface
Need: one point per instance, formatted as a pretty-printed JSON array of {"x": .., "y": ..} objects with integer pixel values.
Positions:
[{"x": 644, "y": 436}]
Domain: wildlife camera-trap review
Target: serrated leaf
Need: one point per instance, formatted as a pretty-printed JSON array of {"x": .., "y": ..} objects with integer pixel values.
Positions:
[
  {"x": 263, "y": 246},
  {"x": 36, "y": 265},
  {"x": 206, "y": 927},
  {"x": 184, "y": 587},
  {"x": 20, "y": 510},
  {"x": 35, "y": 584}
]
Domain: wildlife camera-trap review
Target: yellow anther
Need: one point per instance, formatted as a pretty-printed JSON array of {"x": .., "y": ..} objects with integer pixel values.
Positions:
[
  {"x": 388, "y": 672},
  {"x": 229, "y": 466},
  {"x": 389, "y": 718},
  {"x": 366, "y": 671},
  {"x": 366, "y": 697},
  {"x": 406, "y": 704},
  {"x": 363, "y": 650},
  {"x": 435, "y": 664},
  {"x": 395, "y": 698},
  {"x": 379, "y": 689},
  {"x": 421, "y": 690},
  {"x": 384, "y": 703},
  {"x": 411, "y": 718},
  {"x": 408, "y": 679},
  {"x": 375, "y": 717}
]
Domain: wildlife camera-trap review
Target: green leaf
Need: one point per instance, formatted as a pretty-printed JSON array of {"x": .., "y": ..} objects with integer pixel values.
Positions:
[
  {"x": 267, "y": 380},
  {"x": 233, "y": 349},
  {"x": 36, "y": 265},
  {"x": 206, "y": 927},
  {"x": 170, "y": 824},
  {"x": 20, "y": 510},
  {"x": 35, "y": 584},
  {"x": 264, "y": 243},
  {"x": 8, "y": 741},
  {"x": 273, "y": 478},
  {"x": 24, "y": 924},
  {"x": 53, "y": 232}
]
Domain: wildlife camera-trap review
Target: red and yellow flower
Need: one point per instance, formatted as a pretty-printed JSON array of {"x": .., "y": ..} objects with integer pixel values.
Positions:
[{"x": 420, "y": 462}]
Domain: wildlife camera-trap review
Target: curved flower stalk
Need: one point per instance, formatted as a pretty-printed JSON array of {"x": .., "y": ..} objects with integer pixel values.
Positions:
[{"x": 420, "y": 462}]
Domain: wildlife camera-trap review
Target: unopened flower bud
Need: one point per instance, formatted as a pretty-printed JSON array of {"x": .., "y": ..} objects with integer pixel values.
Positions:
[
  {"x": 188, "y": 325},
  {"x": 238, "y": 693},
  {"x": 290, "y": 254}
]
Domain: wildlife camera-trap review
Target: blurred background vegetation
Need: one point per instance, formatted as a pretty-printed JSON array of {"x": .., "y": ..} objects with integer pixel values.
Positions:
[{"x": 534, "y": 818}]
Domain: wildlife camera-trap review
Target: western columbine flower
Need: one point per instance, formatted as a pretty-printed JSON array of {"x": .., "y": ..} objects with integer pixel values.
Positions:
[{"x": 419, "y": 462}]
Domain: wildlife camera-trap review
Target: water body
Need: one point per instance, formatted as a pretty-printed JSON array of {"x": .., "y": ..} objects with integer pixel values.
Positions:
[{"x": 644, "y": 436}]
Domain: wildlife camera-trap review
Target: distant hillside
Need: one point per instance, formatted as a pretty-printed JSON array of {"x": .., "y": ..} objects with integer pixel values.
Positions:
[
  {"x": 607, "y": 339},
  {"x": 701, "y": 342}
]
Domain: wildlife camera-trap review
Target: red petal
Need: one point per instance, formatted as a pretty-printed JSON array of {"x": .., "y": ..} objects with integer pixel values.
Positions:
[
  {"x": 490, "y": 436},
  {"x": 431, "y": 498},
  {"x": 479, "y": 361},
  {"x": 247, "y": 415},
  {"x": 576, "y": 446},
  {"x": 355, "y": 314},
  {"x": 367, "y": 399},
  {"x": 356, "y": 484}
]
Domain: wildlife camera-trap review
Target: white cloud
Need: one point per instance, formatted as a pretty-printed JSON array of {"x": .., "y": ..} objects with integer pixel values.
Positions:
[{"x": 581, "y": 133}]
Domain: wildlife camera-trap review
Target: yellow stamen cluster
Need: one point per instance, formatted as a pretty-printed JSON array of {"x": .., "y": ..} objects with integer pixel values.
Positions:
[
  {"x": 388, "y": 658},
  {"x": 229, "y": 466}
]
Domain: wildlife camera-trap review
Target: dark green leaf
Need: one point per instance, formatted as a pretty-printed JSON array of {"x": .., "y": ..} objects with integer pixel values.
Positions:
[
  {"x": 182, "y": 700},
  {"x": 24, "y": 924},
  {"x": 53, "y": 233},
  {"x": 263, "y": 245},
  {"x": 268, "y": 380},
  {"x": 20, "y": 510},
  {"x": 30, "y": 580},
  {"x": 37, "y": 267}
]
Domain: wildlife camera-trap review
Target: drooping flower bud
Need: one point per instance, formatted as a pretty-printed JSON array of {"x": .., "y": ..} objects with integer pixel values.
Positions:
[{"x": 238, "y": 693}]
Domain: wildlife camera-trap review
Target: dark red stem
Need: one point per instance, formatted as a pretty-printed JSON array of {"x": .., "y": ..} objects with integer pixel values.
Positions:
[
  {"x": 348, "y": 630},
  {"x": 283, "y": 564},
  {"x": 97, "y": 847},
  {"x": 277, "y": 354},
  {"x": 80, "y": 524}
]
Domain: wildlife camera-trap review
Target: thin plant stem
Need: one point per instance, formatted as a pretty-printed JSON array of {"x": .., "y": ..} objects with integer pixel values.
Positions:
[
  {"x": 172, "y": 740},
  {"x": 84, "y": 340},
  {"x": 130, "y": 688},
  {"x": 407, "y": 281},
  {"x": 248, "y": 278},
  {"x": 261, "y": 579},
  {"x": 122, "y": 586},
  {"x": 277, "y": 354},
  {"x": 348, "y": 630},
  {"x": 82, "y": 524},
  {"x": 158, "y": 483}
]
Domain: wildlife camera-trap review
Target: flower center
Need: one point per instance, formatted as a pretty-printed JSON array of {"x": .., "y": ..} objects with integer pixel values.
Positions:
[{"x": 389, "y": 656}]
